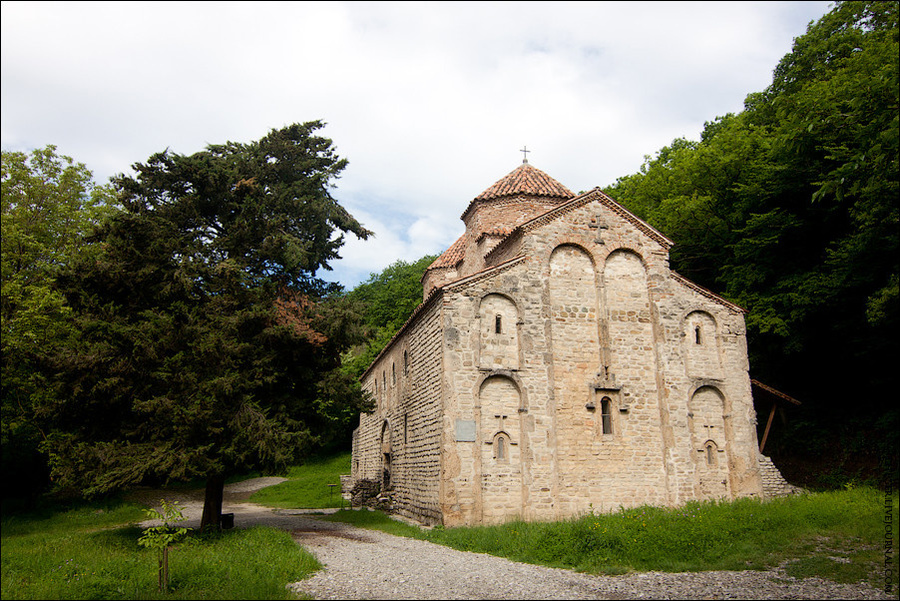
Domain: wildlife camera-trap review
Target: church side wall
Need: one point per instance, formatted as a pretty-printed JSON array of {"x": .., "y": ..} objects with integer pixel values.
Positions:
[{"x": 402, "y": 435}]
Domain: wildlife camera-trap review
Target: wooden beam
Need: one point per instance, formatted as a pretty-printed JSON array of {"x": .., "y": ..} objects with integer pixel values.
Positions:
[
  {"x": 771, "y": 390},
  {"x": 762, "y": 444}
]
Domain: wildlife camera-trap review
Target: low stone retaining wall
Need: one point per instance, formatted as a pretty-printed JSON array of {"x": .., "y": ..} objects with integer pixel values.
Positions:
[{"x": 773, "y": 483}]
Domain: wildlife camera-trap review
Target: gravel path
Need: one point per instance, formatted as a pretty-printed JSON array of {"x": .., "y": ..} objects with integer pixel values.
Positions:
[{"x": 366, "y": 564}]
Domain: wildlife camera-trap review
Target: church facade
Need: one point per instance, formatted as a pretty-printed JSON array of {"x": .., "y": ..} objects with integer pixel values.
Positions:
[{"x": 558, "y": 366}]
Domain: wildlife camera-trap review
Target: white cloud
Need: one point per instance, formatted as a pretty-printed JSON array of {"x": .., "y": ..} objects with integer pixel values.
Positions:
[{"x": 430, "y": 102}]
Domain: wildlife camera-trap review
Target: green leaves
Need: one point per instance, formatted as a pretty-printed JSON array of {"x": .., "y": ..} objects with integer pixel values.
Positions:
[
  {"x": 790, "y": 208},
  {"x": 387, "y": 300},
  {"x": 203, "y": 332},
  {"x": 49, "y": 206},
  {"x": 163, "y": 536}
]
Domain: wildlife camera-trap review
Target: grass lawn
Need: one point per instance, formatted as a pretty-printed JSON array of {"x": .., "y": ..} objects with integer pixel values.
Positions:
[
  {"x": 92, "y": 553},
  {"x": 307, "y": 486},
  {"x": 835, "y": 535}
]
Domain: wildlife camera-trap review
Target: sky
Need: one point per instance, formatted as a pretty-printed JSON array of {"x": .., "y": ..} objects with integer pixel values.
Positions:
[{"x": 430, "y": 103}]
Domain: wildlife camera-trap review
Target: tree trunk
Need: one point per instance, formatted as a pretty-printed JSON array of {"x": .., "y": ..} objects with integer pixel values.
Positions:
[
  {"x": 164, "y": 569},
  {"x": 212, "y": 502}
]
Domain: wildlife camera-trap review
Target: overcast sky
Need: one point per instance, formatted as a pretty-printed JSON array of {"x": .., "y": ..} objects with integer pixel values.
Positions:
[{"x": 430, "y": 102}]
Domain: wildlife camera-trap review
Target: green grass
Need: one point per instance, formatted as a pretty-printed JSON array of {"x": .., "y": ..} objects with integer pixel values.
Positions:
[
  {"x": 92, "y": 553},
  {"x": 307, "y": 485},
  {"x": 376, "y": 520},
  {"x": 835, "y": 535}
]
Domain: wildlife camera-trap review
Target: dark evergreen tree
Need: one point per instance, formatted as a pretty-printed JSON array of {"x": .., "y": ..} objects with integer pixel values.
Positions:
[{"x": 206, "y": 345}]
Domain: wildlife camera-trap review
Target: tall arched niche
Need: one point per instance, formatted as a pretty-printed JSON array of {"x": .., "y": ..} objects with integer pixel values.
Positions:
[
  {"x": 701, "y": 346},
  {"x": 499, "y": 333}
]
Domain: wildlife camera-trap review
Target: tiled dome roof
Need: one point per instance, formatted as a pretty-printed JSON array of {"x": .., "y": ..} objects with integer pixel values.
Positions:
[{"x": 526, "y": 180}]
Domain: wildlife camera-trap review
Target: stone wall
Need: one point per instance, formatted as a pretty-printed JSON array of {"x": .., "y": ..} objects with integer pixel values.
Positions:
[
  {"x": 773, "y": 483},
  {"x": 402, "y": 435},
  {"x": 497, "y": 216}
]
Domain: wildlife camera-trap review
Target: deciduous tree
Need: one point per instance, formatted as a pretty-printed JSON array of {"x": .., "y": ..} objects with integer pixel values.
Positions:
[
  {"x": 387, "y": 300},
  {"x": 49, "y": 204}
]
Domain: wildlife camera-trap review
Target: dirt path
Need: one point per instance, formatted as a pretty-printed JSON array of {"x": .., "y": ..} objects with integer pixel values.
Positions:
[{"x": 365, "y": 564}]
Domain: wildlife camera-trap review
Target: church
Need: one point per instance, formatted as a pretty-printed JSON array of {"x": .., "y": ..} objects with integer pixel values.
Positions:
[{"x": 557, "y": 366}]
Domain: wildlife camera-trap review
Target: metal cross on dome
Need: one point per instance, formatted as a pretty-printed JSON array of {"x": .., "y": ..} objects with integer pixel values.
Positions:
[{"x": 524, "y": 152}]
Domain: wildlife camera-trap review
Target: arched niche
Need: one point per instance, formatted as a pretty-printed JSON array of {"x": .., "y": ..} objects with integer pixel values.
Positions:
[
  {"x": 709, "y": 440},
  {"x": 625, "y": 269},
  {"x": 575, "y": 334},
  {"x": 572, "y": 280},
  {"x": 701, "y": 346},
  {"x": 499, "y": 333},
  {"x": 629, "y": 321},
  {"x": 501, "y": 448}
]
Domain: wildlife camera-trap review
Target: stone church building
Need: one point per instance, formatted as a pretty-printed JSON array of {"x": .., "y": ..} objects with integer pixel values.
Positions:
[{"x": 558, "y": 366}]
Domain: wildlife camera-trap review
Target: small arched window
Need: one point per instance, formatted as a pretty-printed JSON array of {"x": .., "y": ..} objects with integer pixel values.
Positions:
[
  {"x": 405, "y": 363},
  {"x": 393, "y": 375},
  {"x": 501, "y": 447},
  {"x": 697, "y": 337},
  {"x": 711, "y": 453},
  {"x": 606, "y": 415}
]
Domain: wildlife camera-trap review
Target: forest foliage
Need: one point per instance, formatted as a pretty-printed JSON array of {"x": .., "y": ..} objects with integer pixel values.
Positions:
[
  {"x": 49, "y": 205},
  {"x": 790, "y": 210},
  {"x": 386, "y": 299}
]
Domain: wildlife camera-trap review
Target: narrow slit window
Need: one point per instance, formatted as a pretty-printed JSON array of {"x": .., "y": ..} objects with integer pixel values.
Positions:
[
  {"x": 498, "y": 324},
  {"x": 710, "y": 454},
  {"x": 393, "y": 375},
  {"x": 606, "y": 415},
  {"x": 405, "y": 363},
  {"x": 697, "y": 337}
]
